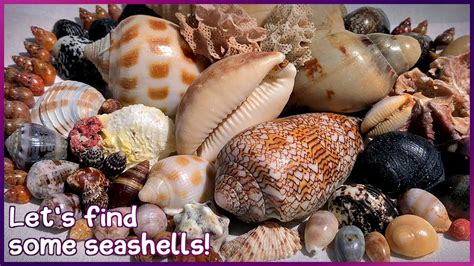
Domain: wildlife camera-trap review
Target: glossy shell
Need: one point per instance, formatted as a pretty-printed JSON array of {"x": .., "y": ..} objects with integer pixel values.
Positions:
[
  {"x": 404, "y": 26},
  {"x": 124, "y": 190},
  {"x": 320, "y": 230},
  {"x": 47, "y": 177},
  {"x": 100, "y": 28},
  {"x": 411, "y": 236},
  {"x": 460, "y": 230},
  {"x": 114, "y": 164},
  {"x": 444, "y": 39},
  {"x": 114, "y": 11},
  {"x": 376, "y": 247},
  {"x": 421, "y": 28},
  {"x": 262, "y": 171},
  {"x": 86, "y": 17},
  {"x": 197, "y": 219},
  {"x": 177, "y": 180},
  {"x": 18, "y": 194},
  {"x": 36, "y": 51},
  {"x": 455, "y": 196},
  {"x": 349, "y": 244},
  {"x": 66, "y": 202},
  {"x": 395, "y": 162},
  {"x": 363, "y": 206},
  {"x": 459, "y": 46},
  {"x": 64, "y": 27},
  {"x": 87, "y": 178},
  {"x": 425, "y": 205},
  {"x": 151, "y": 220},
  {"x": 367, "y": 20},
  {"x": 21, "y": 94},
  {"x": 32, "y": 143},
  {"x": 267, "y": 242},
  {"x": 257, "y": 86},
  {"x": 114, "y": 232},
  {"x": 144, "y": 60},
  {"x": 64, "y": 104},
  {"x": 44, "y": 38},
  {"x": 427, "y": 48}
]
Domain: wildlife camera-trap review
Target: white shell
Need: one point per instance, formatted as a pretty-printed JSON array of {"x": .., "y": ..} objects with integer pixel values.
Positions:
[
  {"x": 145, "y": 60},
  {"x": 320, "y": 230},
  {"x": 177, "y": 180},
  {"x": 64, "y": 104},
  {"x": 151, "y": 220}
]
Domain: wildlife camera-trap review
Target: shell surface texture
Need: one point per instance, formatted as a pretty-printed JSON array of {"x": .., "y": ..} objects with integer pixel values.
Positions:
[
  {"x": 350, "y": 244},
  {"x": 455, "y": 196},
  {"x": 47, "y": 177},
  {"x": 267, "y": 242},
  {"x": 363, "y": 206},
  {"x": 145, "y": 60},
  {"x": 87, "y": 178},
  {"x": 411, "y": 236},
  {"x": 124, "y": 190},
  {"x": 286, "y": 168},
  {"x": 64, "y": 104},
  {"x": 231, "y": 95},
  {"x": 32, "y": 143},
  {"x": 376, "y": 247},
  {"x": 367, "y": 20},
  {"x": 395, "y": 162},
  {"x": 64, "y": 27},
  {"x": 151, "y": 220},
  {"x": 177, "y": 180},
  {"x": 320, "y": 230},
  {"x": 67, "y": 202}
]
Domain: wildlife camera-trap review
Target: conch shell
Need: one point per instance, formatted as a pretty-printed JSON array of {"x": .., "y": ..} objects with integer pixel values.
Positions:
[
  {"x": 231, "y": 95},
  {"x": 145, "y": 60}
]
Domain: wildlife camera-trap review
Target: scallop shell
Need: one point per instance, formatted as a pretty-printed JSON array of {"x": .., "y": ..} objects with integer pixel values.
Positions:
[
  {"x": 231, "y": 95},
  {"x": 286, "y": 168},
  {"x": 267, "y": 242},
  {"x": 64, "y": 104},
  {"x": 47, "y": 177},
  {"x": 320, "y": 230},
  {"x": 427, "y": 206},
  {"x": 177, "y": 180},
  {"x": 67, "y": 202},
  {"x": 145, "y": 60}
]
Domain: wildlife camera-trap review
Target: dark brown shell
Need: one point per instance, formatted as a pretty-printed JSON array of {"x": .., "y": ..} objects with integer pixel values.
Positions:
[
  {"x": 367, "y": 20},
  {"x": 404, "y": 26},
  {"x": 125, "y": 188},
  {"x": 109, "y": 106},
  {"x": 444, "y": 39},
  {"x": 422, "y": 28},
  {"x": 94, "y": 196},
  {"x": 114, "y": 164},
  {"x": 93, "y": 157},
  {"x": 87, "y": 178}
]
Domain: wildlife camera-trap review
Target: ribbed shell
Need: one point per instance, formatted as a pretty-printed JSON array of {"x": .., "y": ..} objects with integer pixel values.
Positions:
[
  {"x": 92, "y": 157},
  {"x": 267, "y": 242},
  {"x": 125, "y": 188},
  {"x": 286, "y": 168},
  {"x": 114, "y": 164}
]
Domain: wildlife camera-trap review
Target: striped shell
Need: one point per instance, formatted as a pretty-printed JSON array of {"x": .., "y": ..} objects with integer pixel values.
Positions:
[
  {"x": 64, "y": 104},
  {"x": 267, "y": 242},
  {"x": 47, "y": 177},
  {"x": 145, "y": 60},
  {"x": 177, "y": 180},
  {"x": 286, "y": 168}
]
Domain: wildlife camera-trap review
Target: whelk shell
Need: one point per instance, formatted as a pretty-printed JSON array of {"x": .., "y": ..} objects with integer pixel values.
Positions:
[
  {"x": 231, "y": 95},
  {"x": 320, "y": 230}
]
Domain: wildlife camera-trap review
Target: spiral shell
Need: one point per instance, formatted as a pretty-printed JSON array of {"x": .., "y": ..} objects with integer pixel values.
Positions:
[
  {"x": 66, "y": 202},
  {"x": 36, "y": 51},
  {"x": 114, "y": 164},
  {"x": 177, "y": 180},
  {"x": 404, "y": 26},
  {"x": 320, "y": 230},
  {"x": 124, "y": 190},
  {"x": 47, "y": 177},
  {"x": 100, "y": 12},
  {"x": 267, "y": 242},
  {"x": 86, "y": 17},
  {"x": 286, "y": 168},
  {"x": 44, "y": 38},
  {"x": 113, "y": 232},
  {"x": 350, "y": 244},
  {"x": 444, "y": 39},
  {"x": 87, "y": 178},
  {"x": 421, "y": 28},
  {"x": 150, "y": 220},
  {"x": 92, "y": 157}
]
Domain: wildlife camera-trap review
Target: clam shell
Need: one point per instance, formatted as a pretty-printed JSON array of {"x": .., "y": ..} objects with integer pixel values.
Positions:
[
  {"x": 67, "y": 202},
  {"x": 64, "y": 104},
  {"x": 320, "y": 230},
  {"x": 145, "y": 60},
  {"x": 177, "y": 180},
  {"x": 231, "y": 95},
  {"x": 267, "y": 242},
  {"x": 32, "y": 143}
]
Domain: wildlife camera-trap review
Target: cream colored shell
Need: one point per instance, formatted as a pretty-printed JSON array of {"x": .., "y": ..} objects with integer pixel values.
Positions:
[
  {"x": 320, "y": 230},
  {"x": 145, "y": 60},
  {"x": 177, "y": 180}
]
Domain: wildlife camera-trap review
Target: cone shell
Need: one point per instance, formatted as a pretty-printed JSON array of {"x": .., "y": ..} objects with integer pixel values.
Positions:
[
  {"x": 267, "y": 242},
  {"x": 64, "y": 104},
  {"x": 67, "y": 202},
  {"x": 177, "y": 180},
  {"x": 286, "y": 168},
  {"x": 125, "y": 188},
  {"x": 47, "y": 177},
  {"x": 31, "y": 143},
  {"x": 145, "y": 60},
  {"x": 233, "y": 94}
]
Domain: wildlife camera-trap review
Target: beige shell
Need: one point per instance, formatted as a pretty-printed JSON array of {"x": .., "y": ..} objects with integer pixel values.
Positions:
[
  {"x": 267, "y": 242},
  {"x": 231, "y": 95},
  {"x": 388, "y": 115},
  {"x": 145, "y": 60},
  {"x": 64, "y": 104},
  {"x": 459, "y": 46},
  {"x": 424, "y": 204},
  {"x": 177, "y": 180},
  {"x": 320, "y": 230},
  {"x": 411, "y": 236},
  {"x": 376, "y": 247}
]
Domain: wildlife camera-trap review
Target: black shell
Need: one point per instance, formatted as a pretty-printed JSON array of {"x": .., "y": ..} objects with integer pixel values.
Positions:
[
  {"x": 71, "y": 62},
  {"x": 114, "y": 164},
  {"x": 100, "y": 28},
  {"x": 367, "y": 20},
  {"x": 396, "y": 161},
  {"x": 65, "y": 27},
  {"x": 454, "y": 193},
  {"x": 363, "y": 206},
  {"x": 93, "y": 157},
  {"x": 132, "y": 10},
  {"x": 427, "y": 46}
]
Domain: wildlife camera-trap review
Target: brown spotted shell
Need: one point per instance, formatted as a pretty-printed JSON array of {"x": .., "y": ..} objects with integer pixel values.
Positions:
[
  {"x": 286, "y": 168},
  {"x": 145, "y": 60}
]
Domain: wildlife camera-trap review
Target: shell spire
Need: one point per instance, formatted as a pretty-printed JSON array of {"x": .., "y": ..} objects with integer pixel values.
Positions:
[{"x": 99, "y": 53}]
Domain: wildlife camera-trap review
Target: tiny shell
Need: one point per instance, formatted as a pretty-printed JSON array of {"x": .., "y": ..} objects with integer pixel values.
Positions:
[
  {"x": 21, "y": 94},
  {"x": 109, "y": 106},
  {"x": 350, "y": 244},
  {"x": 460, "y": 230},
  {"x": 47, "y": 177},
  {"x": 376, "y": 247},
  {"x": 267, "y": 242},
  {"x": 367, "y": 20},
  {"x": 422, "y": 27},
  {"x": 427, "y": 206},
  {"x": 114, "y": 164},
  {"x": 45, "y": 70},
  {"x": 64, "y": 27},
  {"x": 86, "y": 17},
  {"x": 86, "y": 178},
  {"x": 151, "y": 220},
  {"x": 320, "y": 230},
  {"x": 18, "y": 194},
  {"x": 36, "y": 51},
  {"x": 124, "y": 190},
  {"x": 32, "y": 81},
  {"x": 459, "y": 46},
  {"x": 44, "y": 38},
  {"x": 444, "y": 39},
  {"x": 66, "y": 202},
  {"x": 81, "y": 231},
  {"x": 114, "y": 11},
  {"x": 177, "y": 180},
  {"x": 24, "y": 62},
  {"x": 15, "y": 177},
  {"x": 114, "y": 232},
  {"x": 100, "y": 12},
  {"x": 404, "y": 26},
  {"x": 93, "y": 157},
  {"x": 411, "y": 236}
]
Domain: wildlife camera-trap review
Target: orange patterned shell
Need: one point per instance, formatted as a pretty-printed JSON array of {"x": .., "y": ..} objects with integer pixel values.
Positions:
[{"x": 286, "y": 168}]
